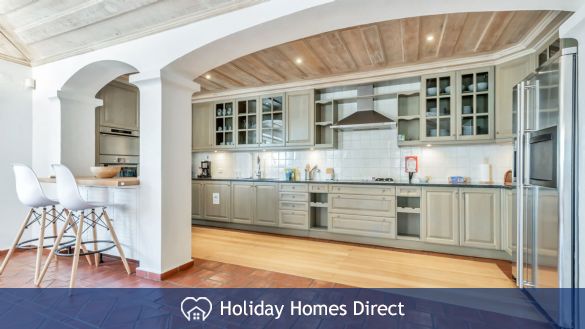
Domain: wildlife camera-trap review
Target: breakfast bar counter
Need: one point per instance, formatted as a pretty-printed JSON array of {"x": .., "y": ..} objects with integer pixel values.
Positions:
[{"x": 101, "y": 182}]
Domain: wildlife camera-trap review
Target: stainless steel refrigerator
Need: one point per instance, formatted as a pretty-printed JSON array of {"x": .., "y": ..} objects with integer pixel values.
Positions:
[{"x": 545, "y": 119}]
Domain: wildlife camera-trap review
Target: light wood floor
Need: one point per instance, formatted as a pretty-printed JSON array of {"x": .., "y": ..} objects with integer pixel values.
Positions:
[{"x": 348, "y": 264}]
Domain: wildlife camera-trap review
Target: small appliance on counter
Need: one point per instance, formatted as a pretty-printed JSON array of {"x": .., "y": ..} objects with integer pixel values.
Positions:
[{"x": 205, "y": 169}]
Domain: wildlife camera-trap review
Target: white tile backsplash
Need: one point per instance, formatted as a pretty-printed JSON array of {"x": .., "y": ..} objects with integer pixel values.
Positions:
[{"x": 366, "y": 154}]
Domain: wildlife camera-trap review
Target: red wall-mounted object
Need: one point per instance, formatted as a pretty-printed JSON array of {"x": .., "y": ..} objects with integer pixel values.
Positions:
[{"x": 408, "y": 164}]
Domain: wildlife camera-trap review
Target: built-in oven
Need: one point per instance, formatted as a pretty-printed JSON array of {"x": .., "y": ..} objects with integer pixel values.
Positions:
[
  {"x": 120, "y": 147},
  {"x": 542, "y": 168}
]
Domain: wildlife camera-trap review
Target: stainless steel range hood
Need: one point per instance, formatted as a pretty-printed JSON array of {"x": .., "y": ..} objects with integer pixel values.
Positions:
[{"x": 365, "y": 117}]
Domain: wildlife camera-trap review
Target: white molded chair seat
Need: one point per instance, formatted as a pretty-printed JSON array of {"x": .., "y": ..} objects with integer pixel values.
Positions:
[
  {"x": 28, "y": 188},
  {"x": 68, "y": 191}
]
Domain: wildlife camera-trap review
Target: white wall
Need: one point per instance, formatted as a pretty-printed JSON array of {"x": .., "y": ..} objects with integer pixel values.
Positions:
[{"x": 15, "y": 143}]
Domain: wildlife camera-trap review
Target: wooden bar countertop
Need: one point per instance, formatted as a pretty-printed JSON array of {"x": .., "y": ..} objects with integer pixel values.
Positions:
[{"x": 103, "y": 182}]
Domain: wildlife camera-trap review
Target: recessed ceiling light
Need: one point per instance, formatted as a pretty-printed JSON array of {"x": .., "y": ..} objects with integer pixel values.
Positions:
[
  {"x": 429, "y": 145},
  {"x": 430, "y": 38},
  {"x": 208, "y": 76},
  {"x": 299, "y": 60}
]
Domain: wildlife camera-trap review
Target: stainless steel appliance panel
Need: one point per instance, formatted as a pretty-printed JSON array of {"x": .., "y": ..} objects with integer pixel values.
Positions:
[{"x": 119, "y": 145}]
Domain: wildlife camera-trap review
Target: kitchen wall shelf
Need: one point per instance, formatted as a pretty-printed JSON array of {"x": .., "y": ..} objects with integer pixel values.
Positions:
[
  {"x": 247, "y": 118},
  {"x": 325, "y": 117},
  {"x": 224, "y": 125},
  {"x": 408, "y": 217},
  {"x": 318, "y": 210}
]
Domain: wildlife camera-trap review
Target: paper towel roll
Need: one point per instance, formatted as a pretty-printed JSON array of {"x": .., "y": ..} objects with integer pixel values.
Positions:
[{"x": 485, "y": 173}]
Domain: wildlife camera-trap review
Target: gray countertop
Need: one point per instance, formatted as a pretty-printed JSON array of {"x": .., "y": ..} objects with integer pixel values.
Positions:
[{"x": 360, "y": 182}]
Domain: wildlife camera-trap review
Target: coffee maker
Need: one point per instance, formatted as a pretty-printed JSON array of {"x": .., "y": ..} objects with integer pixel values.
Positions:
[{"x": 205, "y": 169}]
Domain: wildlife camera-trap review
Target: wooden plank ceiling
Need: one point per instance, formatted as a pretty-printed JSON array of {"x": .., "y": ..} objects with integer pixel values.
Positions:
[
  {"x": 381, "y": 45},
  {"x": 33, "y": 31}
]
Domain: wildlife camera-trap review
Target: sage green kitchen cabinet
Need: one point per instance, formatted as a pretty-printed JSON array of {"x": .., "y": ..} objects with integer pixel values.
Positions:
[
  {"x": 438, "y": 116},
  {"x": 358, "y": 204},
  {"x": 508, "y": 75},
  {"x": 509, "y": 220},
  {"x": 196, "y": 198},
  {"x": 246, "y": 127},
  {"x": 475, "y": 104},
  {"x": 223, "y": 124},
  {"x": 266, "y": 210},
  {"x": 243, "y": 202},
  {"x": 300, "y": 118},
  {"x": 216, "y": 201},
  {"x": 480, "y": 217},
  {"x": 201, "y": 125},
  {"x": 370, "y": 226},
  {"x": 120, "y": 106},
  {"x": 271, "y": 127},
  {"x": 441, "y": 215}
]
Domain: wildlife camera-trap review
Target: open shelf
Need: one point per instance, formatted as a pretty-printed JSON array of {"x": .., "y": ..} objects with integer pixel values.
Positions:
[
  {"x": 408, "y": 217},
  {"x": 318, "y": 210}
]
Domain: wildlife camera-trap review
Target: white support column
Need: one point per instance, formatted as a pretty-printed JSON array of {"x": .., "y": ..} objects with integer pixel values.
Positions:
[{"x": 165, "y": 172}]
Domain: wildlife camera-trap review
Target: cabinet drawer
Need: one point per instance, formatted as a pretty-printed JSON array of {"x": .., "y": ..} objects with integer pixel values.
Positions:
[
  {"x": 408, "y": 191},
  {"x": 362, "y": 189},
  {"x": 357, "y": 204},
  {"x": 318, "y": 188},
  {"x": 362, "y": 225},
  {"x": 292, "y": 196},
  {"x": 290, "y": 205},
  {"x": 294, "y": 219},
  {"x": 294, "y": 187}
]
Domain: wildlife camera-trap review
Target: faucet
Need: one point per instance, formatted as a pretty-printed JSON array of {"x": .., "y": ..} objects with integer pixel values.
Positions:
[{"x": 258, "y": 169}]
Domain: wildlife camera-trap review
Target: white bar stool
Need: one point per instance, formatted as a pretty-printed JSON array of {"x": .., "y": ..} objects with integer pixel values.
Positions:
[
  {"x": 69, "y": 197},
  {"x": 42, "y": 210}
]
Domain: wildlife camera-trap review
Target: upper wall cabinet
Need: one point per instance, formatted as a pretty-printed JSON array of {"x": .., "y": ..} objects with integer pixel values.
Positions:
[
  {"x": 272, "y": 120},
  {"x": 120, "y": 109},
  {"x": 202, "y": 121},
  {"x": 223, "y": 124},
  {"x": 437, "y": 107},
  {"x": 475, "y": 104},
  {"x": 300, "y": 118},
  {"x": 247, "y": 122},
  {"x": 508, "y": 75}
]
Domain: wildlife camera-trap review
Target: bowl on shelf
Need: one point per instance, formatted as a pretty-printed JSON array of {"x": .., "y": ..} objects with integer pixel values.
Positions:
[
  {"x": 482, "y": 86},
  {"x": 471, "y": 87},
  {"x": 447, "y": 90},
  {"x": 467, "y": 109},
  {"x": 105, "y": 172},
  {"x": 432, "y": 91}
]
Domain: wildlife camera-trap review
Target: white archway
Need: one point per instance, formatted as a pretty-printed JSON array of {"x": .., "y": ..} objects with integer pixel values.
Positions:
[{"x": 77, "y": 111}]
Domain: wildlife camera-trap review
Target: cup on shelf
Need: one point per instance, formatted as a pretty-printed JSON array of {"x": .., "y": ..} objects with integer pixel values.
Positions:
[
  {"x": 432, "y": 91},
  {"x": 482, "y": 86},
  {"x": 448, "y": 90}
]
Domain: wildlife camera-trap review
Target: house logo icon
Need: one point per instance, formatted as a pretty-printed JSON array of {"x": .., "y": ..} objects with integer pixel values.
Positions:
[{"x": 197, "y": 309}]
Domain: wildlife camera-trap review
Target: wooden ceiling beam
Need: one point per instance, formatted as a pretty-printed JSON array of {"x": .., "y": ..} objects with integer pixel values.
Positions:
[
  {"x": 253, "y": 65},
  {"x": 239, "y": 75},
  {"x": 391, "y": 39},
  {"x": 410, "y": 38},
  {"x": 430, "y": 27},
  {"x": 277, "y": 61},
  {"x": 451, "y": 34},
  {"x": 471, "y": 31},
  {"x": 374, "y": 48},
  {"x": 310, "y": 63},
  {"x": 496, "y": 27}
]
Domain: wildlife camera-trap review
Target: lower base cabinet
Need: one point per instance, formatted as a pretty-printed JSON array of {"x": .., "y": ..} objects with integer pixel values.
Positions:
[
  {"x": 441, "y": 213},
  {"x": 196, "y": 198},
  {"x": 480, "y": 218},
  {"x": 243, "y": 201},
  {"x": 216, "y": 201},
  {"x": 294, "y": 219},
  {"x": 371, "y": 226},
  {"x": 266, "y": 204}
]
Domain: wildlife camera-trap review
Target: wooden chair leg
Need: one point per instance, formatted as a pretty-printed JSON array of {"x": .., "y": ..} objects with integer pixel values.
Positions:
[
  {"x": 16, "y": 240},
  {"x": 83, "y": 247},
  {"x": 77, "y": 251},
  {"x": 96, "y": 256},
  {"x": 115, "y": 238},
  {"x": 55, "y": 246},
  {"x": 40, "y": 246},
  {"x": 54, "y": 212}
]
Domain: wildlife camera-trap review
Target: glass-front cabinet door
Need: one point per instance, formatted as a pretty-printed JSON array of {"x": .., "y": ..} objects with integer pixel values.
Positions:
[
  {"x": 272, "y": 125},
  {"x": 247, "y": 118},
  {"x": 475, "y": 104},
  {"x": 438, "y": 104},
  {"x": 224, "y": 124}
]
